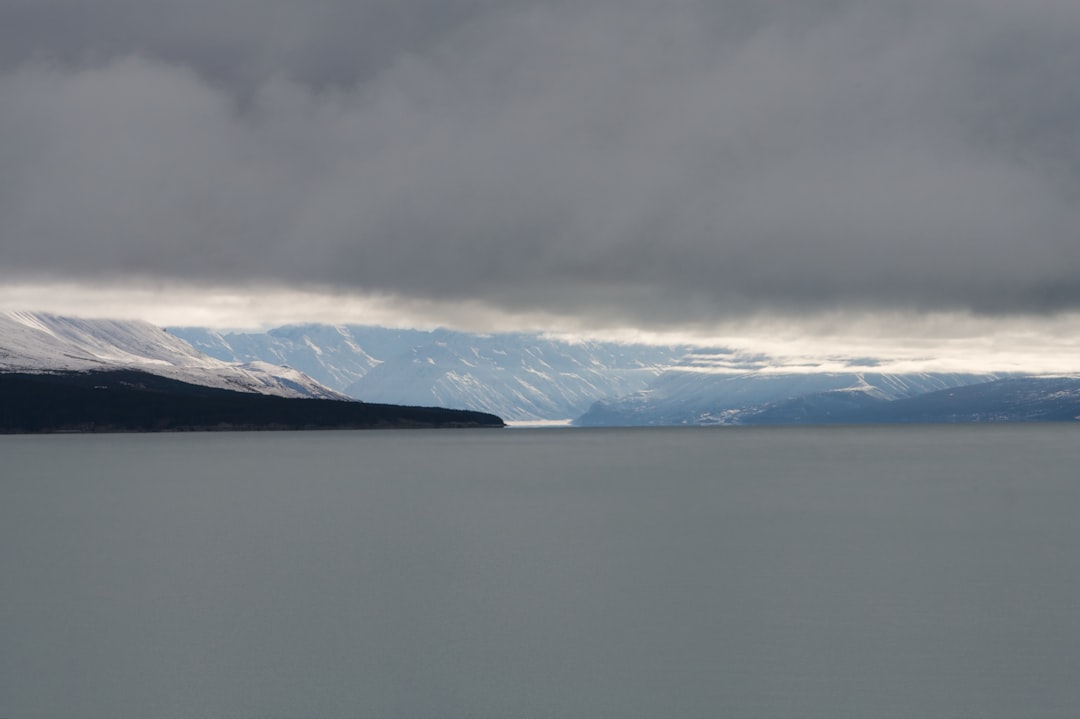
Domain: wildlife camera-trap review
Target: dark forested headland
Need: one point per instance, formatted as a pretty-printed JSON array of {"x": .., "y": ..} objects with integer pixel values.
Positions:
[{"x": 131, "y": 401}]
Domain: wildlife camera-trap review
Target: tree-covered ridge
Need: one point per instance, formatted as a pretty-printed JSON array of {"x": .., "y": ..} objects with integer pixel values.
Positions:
[{"x": 130, "y": 401}]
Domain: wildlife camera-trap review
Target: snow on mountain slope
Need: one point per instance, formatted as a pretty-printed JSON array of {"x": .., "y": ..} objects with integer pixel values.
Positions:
[
  {"x": 326, "y": 353},
  {"x": 40, "y": 342},
  {"x": 518, "y": 376}
]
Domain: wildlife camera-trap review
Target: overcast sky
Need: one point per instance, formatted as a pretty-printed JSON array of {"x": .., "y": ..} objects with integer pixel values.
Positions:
[{"x": 591, "y": 162}]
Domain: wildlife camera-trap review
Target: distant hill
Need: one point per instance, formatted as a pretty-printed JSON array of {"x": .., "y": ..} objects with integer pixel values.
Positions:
[
  {"x": 1013, "y": 399},
  {"x": 689, "y": 396},
  {"x": 1022, "y": 399},
  {"x": 127, "y": 400}
]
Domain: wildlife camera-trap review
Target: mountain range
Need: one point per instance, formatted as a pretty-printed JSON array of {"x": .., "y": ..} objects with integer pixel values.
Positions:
[{"x": 526, "y": 377}]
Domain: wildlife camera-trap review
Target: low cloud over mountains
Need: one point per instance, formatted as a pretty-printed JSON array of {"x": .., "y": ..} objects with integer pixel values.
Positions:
[{"x": 614, "y": 160}]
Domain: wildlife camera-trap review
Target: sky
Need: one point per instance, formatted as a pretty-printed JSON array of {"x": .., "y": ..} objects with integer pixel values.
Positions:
[{"x": 872, "y": 175}]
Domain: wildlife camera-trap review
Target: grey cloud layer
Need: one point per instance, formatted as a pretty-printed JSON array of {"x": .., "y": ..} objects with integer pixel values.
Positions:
[{"x": 661, "y": 161}]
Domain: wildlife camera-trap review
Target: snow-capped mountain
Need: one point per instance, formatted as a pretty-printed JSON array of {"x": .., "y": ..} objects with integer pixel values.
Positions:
[
  {"x": 39, "y": 342},
  {"x": 518, "y": 376}
]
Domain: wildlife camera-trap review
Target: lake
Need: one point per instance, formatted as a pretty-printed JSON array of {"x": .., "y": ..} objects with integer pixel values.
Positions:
[{"x": 922, "y": 571}]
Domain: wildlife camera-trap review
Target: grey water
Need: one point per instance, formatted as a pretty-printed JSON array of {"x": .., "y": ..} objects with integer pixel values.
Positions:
[{"x": 803, "y": 572}]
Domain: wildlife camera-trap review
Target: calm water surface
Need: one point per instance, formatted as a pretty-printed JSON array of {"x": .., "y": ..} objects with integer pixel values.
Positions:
[{"x": 827, "y": 572}]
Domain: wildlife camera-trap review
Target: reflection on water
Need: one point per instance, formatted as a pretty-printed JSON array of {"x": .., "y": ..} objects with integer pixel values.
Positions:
[{"x": 830, "y": 572}]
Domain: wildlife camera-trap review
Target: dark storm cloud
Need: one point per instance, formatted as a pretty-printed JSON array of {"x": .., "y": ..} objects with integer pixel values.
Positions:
[{"x": 666, "y": 161}]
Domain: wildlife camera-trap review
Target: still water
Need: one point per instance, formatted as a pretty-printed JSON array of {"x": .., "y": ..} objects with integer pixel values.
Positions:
[{"x": 822, "y": 572}]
